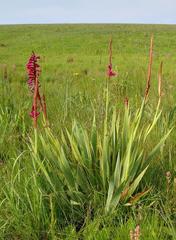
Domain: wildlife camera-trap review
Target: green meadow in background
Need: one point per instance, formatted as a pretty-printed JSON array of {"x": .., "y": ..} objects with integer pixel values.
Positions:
[{"x": 74, "y": 60}]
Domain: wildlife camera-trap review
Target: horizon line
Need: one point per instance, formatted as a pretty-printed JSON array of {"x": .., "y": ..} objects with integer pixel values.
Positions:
[{"x": 87, "y": 23}]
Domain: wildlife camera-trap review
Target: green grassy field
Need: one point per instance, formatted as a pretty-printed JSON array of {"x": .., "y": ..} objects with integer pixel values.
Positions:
[{"x": 69, "y": 188}]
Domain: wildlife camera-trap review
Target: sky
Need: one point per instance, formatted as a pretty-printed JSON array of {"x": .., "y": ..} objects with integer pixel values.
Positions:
[{"x": 87, "y": 11}]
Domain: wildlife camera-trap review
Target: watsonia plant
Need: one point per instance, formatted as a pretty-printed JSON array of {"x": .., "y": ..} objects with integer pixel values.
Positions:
[
  {"x": 86, "y": 168},
  {"x": 83, "y": 170}
]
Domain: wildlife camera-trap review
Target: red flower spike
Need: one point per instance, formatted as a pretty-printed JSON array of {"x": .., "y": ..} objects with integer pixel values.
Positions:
[{"x": 33, "y": 70}]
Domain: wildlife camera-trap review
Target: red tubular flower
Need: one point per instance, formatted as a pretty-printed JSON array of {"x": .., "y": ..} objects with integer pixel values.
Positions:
[
  {"x": 110, "y": 72},
  {"x": 33, "y": 70},
  {"x": 34, "y": 114}
]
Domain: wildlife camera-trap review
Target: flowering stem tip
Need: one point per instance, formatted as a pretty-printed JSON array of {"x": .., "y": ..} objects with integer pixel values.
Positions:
[{"x": 38, "y": 104}]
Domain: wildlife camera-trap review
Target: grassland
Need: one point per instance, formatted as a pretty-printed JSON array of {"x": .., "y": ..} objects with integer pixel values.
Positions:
[{"x": 74, "y": 60}]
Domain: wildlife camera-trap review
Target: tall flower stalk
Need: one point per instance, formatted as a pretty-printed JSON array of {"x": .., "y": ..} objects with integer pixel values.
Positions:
[
  {"x": 39, "y": 103},
  {"x": 149, "y": 69},
  {"x": 110, "y": 71}
]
